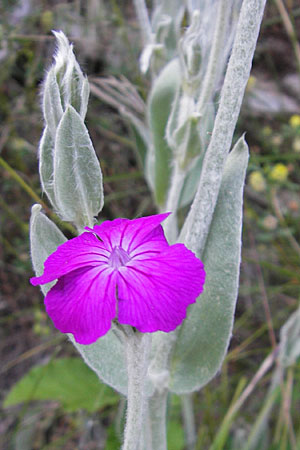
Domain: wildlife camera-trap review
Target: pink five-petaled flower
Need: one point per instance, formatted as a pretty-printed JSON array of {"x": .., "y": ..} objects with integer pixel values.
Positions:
[{"x": 125, "y": 270}]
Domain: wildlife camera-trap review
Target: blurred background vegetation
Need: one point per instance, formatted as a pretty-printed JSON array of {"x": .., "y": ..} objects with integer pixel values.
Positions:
[{"x": 77, "y": 412}]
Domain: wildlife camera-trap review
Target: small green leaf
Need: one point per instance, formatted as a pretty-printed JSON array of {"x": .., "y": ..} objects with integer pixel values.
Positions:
[
  {"x": 46, "y": 150},
  {"x": 204, "y": 336},
  {"x": 85, "y": 93},
  {"x": 68, "y": 381},
  {"x": 77, "y": 173},
  {"x": 191, "y": 183},
  {"x": 52, "y": 107},
  {"x": 188, "y": 144},
  {"x": 160, "y": 103},
  {"x": 45, "y": 237}
]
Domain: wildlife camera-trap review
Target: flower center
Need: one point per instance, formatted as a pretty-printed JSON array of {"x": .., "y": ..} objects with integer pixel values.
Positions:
[{"x": 118, "y": 257}]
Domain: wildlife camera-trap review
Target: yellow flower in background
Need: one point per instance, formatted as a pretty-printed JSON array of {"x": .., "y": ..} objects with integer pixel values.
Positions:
[
  {"x": 257, "y": 181},
  {"x": 279, "y": 172},
  {"x": 295, "y": 120}
]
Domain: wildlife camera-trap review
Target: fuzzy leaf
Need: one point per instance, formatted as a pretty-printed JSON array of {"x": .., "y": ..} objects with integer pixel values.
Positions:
[
  {"x": 45, "y": 237},
  {"x": 191, "y": 182},
  {"x": 46, "y": 150},
  {"x": 204, "y": 336},
  {"x": 188, "y": 141},
  {"x": 160, "y": 103},
  {"x": 52, "y": 106},
  {"x": 68, "y": 381},
  {"x": 77, "y": 173},
  {"x": 85, "y": 93}
]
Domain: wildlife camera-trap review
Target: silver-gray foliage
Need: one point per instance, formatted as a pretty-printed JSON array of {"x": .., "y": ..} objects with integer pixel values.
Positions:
[{"x": 204, "y": 336}]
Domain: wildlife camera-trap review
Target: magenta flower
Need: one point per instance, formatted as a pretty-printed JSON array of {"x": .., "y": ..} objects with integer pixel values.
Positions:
[{"x": 125, "y": 270}]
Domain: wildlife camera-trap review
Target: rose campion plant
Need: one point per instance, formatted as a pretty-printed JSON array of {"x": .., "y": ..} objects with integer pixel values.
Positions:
[{"x": 129, "y": 301}]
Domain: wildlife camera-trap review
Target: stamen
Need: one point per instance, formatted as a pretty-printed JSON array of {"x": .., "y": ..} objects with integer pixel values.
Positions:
[{"x": 118, "y": 257}]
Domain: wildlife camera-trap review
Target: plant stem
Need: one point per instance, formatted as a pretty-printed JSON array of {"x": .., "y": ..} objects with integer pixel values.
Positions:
[
  {"x": 208, "y": 87},
  {"x": 188, "y": 420},
  {"x": 158, "y": 419},
  {"x": 159, "y": 375},
  {"x": 137, "y": 349},
  {"x": 198, "y": 222}
]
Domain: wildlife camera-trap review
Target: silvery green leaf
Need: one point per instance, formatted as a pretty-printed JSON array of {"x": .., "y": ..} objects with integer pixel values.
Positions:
[
  {"x": 106, "y": 357},
  {"x": 85, "y": 93},
  {"x": 46, "y": 150},
  {"x": 204, "y": 336},
  {"x": 289, "y": 347},
  {"x": 45, "y": 237},
  {"x": 188, "y": 141},
  {"x": 192, "y": 178},
  {"x": 160, "y": 103},
  {"x": 52, "y": 106},
  {"x": 77, "y": 173},
  {"x": 190, "y": 184}
]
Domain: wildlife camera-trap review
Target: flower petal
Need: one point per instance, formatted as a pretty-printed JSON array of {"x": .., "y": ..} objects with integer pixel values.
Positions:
[
  {"x": 85, "y": 250},
  {"x": 154, "y": 243},
  {"x": 83, "y": 303},
  {"x": 154, "y": 293},
  {"x": 126, "y": 233}
]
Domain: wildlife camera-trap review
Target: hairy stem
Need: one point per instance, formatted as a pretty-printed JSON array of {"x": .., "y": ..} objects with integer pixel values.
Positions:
[
  {"x": 198, "y": 222},
  {"x": 137, "y": 352},
  {"x": 157, "y": 410},
  {"x": 208, "y": 87}
]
